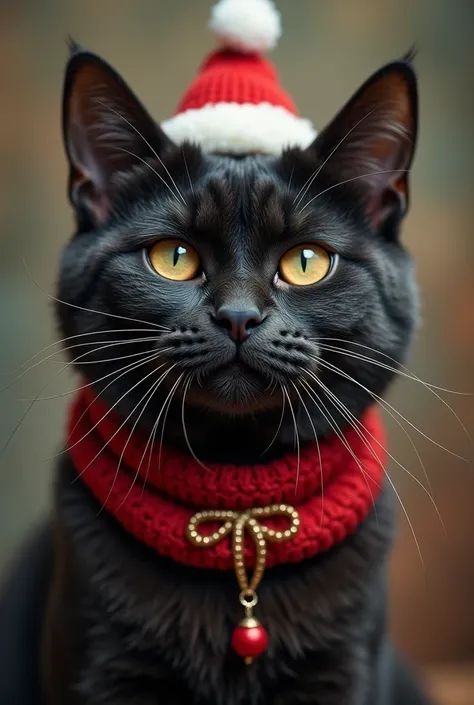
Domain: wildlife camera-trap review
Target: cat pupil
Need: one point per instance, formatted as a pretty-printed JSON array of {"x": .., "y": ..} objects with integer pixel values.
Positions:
[
  {"x": 305, "y": 256},
  {"x": 178, "y": 251}
]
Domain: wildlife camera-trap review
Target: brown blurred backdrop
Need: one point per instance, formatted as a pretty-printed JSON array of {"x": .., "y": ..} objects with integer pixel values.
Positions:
[{"x": 327, "y": 50}]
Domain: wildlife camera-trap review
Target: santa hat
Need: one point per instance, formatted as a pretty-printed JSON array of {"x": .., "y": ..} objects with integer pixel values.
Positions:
[{"x": 236, "y": 104}]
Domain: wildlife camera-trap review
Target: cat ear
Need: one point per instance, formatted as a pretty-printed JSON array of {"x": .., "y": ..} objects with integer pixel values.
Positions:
[
  {"x": 370, "y": 143},
  {"x": 106, "y": 130}
]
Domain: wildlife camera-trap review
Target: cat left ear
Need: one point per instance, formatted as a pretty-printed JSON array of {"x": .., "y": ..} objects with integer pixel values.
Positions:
[
  {"x": 106, "y": 130},
  {"x": 370, "y": 144}
]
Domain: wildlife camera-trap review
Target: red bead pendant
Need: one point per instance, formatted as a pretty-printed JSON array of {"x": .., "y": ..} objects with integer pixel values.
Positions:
[{"x": 249, "y": 639}]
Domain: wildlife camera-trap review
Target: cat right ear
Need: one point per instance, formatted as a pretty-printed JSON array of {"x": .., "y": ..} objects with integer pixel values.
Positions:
[{"x": 106, "y": 130}]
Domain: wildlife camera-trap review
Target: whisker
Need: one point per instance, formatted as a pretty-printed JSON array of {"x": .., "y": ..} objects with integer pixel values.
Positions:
[
  {"x": 414, "y": 378},
  {"x": 290, "y": 181},
  {"x": 352, "y": 419},
  {"x": 167, "y": 403},
  {"x": 110, "y": 359},
  {"x": 101, "y": 379},
  {"x": 129, "y": 368},
  {"x": 337, "y": 430},
  {"x": 317, "y": 446},
  {"x": 122, "y": 117},
  {"x": 383, "y": 402},
  {"x": 279, "y": 425},
  {"x": 33, "y": 401},
  {"x": 353, "y": 178},
  {"x": 187, "y": 172},
  {"x": 80, "y": 335},
  {"x": 147, "y": 164},
  {"x": 297, "y": 438},
  {"x": 70, "y": 363},
  {"x": 151, "y": 392},
  {"x": 91, "y": 310},
  {"x": 392, "y": 359},
  {"x": 410, "y": 524},
  {"x": 307, "y": 185},
  {"x": 187, "y": 384},
  {"x": 151, "y": 438},
  {"x": 119, "y": 428}
]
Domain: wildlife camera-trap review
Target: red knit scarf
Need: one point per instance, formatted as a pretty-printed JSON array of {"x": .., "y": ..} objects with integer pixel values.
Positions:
[{"x": 154, "y": 494}]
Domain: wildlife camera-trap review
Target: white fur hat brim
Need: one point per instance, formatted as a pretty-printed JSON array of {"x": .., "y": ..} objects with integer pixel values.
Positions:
[{"x": 240, "y": 128}]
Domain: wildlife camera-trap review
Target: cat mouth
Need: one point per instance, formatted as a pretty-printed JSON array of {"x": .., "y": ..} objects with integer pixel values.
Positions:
[{"x": 236, "y": 388}]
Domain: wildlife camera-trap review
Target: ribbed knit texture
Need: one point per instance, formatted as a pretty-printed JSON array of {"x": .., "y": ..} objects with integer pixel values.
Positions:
[
  {"x": 230, "y": 77},
  {"x": 153, "y": 496}
]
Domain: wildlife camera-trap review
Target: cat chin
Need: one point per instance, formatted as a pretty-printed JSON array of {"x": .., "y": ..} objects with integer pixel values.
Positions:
[{"x": 235, "y": 390}]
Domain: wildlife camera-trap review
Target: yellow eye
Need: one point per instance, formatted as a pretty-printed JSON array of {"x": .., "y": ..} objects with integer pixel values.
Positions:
[
  {"x": 174, "y": 259},
  {"x": 305, "y": 264}
]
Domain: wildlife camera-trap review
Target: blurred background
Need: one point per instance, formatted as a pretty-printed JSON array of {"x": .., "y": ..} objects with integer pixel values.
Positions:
[{"x": 327, "y": 50}]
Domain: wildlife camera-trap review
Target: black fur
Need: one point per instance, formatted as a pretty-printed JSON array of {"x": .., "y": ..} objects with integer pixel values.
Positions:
[{"x": 123, "y": 625}]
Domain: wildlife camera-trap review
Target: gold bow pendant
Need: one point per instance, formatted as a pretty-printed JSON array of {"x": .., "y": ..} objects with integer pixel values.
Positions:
[{"x": 250, "y": 638}]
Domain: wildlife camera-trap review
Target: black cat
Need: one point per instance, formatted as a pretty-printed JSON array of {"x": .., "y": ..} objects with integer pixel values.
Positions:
[{"x": 292, "y": 280}]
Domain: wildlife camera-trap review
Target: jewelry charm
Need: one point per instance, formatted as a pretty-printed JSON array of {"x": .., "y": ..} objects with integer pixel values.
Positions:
[{"x": 250, "y": 638}]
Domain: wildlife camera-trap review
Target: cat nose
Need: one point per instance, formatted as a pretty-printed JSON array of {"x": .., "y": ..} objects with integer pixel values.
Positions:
[{"x": 238, "y": 322}]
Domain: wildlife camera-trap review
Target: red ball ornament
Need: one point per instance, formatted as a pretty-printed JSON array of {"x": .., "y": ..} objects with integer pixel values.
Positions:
[{"x": 249, "y": 639}]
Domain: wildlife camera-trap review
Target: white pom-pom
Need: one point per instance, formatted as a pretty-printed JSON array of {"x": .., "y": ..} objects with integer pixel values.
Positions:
[{"x": 246, "y": 25}]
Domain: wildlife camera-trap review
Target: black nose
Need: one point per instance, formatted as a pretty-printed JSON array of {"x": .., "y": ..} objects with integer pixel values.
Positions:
[{"x": 239, "y": 322}]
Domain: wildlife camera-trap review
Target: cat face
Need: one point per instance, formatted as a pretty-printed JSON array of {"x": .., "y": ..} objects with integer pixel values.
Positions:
[{"x": 237, "y": 285}]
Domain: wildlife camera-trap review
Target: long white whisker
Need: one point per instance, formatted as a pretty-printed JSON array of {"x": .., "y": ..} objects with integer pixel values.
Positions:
[
  {"x": 347, "y": 181},
  {"x": 128, "y": 368},
  {"x": 118, "y": 429},
  {"x": 35, "y": 399},
  {"x": 297, "y": 438},
  {"x": 75, "y": 361},
  {"x": 149, "y": 444},
  {"x": 101, "y": 379},
  {"x": 414, "y": 378},
  {"x": 307, "y": 185},
  {"x": 167, "y": 404},
  {"x": 150, "y": 394},
  {"x": 410, "y": 524},
  {"x": 147, "y": 164},
  {"x": 134, "y": 366},
  {"x": 187, "y": 384},
  {"x": 279, "y": 425},
  {"x": 290, "y": 181},
  {"x": 122, "y": 117},
  {"x": 150, "y": 455},
  {"x": 317, "y": 446},
  {"x": 81, "y": 335},
  {"x": 91, "y": 310},
  {"x": 352, "y": 419},
  {"x": 384, "y": 403},
  {"x": 335, "y": 426},
  {"x": 187, "y": 172},
  {"x": 392, "y": 359}
]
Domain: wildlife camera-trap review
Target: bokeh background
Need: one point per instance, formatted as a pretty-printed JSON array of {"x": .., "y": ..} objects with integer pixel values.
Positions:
[{"x": 327, "y": 50}]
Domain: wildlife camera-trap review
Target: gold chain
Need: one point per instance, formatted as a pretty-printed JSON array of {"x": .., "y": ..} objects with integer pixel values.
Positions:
[{"x": 239, "y": 523}]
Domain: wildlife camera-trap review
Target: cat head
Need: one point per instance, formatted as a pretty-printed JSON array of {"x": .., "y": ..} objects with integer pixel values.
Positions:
[{"x": 244, "y": 286}]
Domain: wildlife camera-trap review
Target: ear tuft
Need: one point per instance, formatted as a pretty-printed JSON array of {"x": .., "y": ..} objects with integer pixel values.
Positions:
[
  {"x": 411, "y": 54},
  {"x": 73, "y": 46}
]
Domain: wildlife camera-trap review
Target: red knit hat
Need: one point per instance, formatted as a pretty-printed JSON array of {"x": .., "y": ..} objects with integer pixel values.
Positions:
[{"x": 236, "y": 104}]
